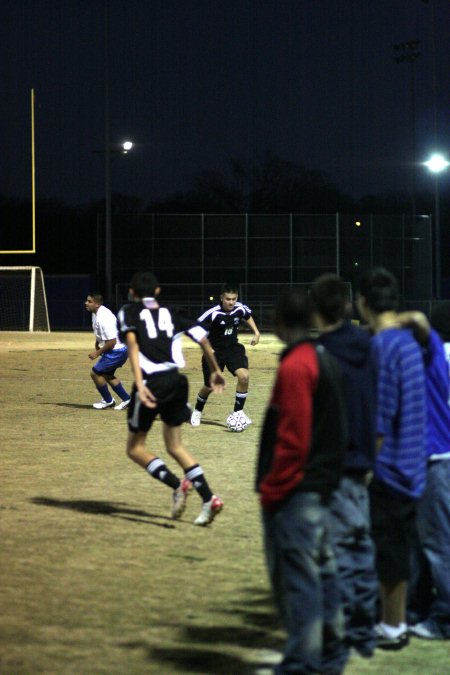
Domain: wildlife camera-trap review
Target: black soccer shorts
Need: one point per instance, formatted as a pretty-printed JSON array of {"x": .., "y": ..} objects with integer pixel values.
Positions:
[
  {"x": 233, "y": 358},
  {"x": 171, "y": 390}
]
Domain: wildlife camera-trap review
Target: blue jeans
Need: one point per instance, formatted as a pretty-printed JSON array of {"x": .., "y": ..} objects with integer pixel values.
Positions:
[
  {"x": 355, "y": 557},
  {"x": 302, "y": 571},
  {"x": 429, "y": 592}
]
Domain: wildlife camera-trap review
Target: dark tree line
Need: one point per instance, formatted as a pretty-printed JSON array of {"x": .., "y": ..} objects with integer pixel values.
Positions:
[{"x": 67, "y": 236}]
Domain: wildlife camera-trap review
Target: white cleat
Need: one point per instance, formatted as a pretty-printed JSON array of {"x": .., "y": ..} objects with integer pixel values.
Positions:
[
  {"x": 195, "y": 418},
  {"x": 102, "y": 405},
  {"x": 179, "y": 498},
  {"x": 209, "y": 511},
  {"x": 247, "y": 419},
  {"x": 123, "y": 405}
]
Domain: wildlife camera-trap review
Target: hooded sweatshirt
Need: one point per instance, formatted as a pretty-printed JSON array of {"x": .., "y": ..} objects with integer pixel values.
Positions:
[{"x": 351, "y": 347}]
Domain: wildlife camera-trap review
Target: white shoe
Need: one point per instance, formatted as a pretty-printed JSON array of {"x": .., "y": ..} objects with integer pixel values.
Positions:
[
  {"x": 209, "y": 511},
  {"x": 195, "y": 418},
  {"x": 247, "y": 419},
  {"x": 123, "y": 405},
  {"x": 179, "y": 498},
  {"x": 424, "y": 631},
  {"x": 101, "y": 405}
]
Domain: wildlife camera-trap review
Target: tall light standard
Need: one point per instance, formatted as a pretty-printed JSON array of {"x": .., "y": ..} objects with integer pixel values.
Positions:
[
  {"x": 436, "y": 164},
  {"x": 108, "y": 240},
  {"x": 408, "y": 52},
  {"x": 110, "y": 149}
]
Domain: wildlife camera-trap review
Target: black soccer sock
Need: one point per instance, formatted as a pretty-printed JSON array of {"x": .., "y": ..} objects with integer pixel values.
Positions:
[
  {"x": 239, "y": 401},
  {"x": 197, "y": 477},
  {"x": 157, "y": 469},
  {"x": 200, "y": 403}
]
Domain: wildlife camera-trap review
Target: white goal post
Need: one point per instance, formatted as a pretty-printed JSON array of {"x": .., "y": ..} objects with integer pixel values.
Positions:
[{"x": 23, "y": 303}]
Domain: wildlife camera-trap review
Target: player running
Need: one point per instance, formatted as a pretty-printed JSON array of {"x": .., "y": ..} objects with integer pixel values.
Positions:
[
  {"x": 222, "y": 323},
  {"x": 152, "y": 333}
]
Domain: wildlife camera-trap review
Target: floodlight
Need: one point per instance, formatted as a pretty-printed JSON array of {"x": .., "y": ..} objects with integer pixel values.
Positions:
[{"x": 437, "y": 163}]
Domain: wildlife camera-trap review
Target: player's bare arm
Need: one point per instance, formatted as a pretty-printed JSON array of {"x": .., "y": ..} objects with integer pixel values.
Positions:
[
  {"x": 256, "y": 334},
  {"x": 217, "y": 381},
  {"x": 145, "y": 395},
  {"x": 419, "y": 324},
  {"x": 108, "y": 347}
]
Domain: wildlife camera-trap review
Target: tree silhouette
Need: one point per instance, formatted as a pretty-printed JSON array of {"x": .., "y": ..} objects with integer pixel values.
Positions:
[{"x": 267, "y": 184}]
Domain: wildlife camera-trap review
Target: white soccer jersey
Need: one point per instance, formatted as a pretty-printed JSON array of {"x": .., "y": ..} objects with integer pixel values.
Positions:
[{"x": 104, "y": 325}]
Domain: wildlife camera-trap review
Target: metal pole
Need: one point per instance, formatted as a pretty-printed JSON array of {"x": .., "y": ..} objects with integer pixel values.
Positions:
[
  {"x": 202, "y": 260},
  {"x": 291, "y": 251},
  {"x": 413, "y": 141},
  {"x": 246, "y": 255},
  {"x": 33, "y": 176},
  {"x": 108, "y": 236},
  {"x": 437, "y": 237},
  {"x": 338, "y": 251}
]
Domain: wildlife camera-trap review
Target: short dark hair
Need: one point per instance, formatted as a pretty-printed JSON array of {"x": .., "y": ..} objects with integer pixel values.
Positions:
[
  {"x": 229, "y": 287},
  {"x": 144, "y": 283},
  {"x": 440, "y": 319},
  {"x": 98, "y": 297},
  {"x": 329, "y": 297},
  {"x": 293, "y": 309},
  {"x": 379, "y": 288}
]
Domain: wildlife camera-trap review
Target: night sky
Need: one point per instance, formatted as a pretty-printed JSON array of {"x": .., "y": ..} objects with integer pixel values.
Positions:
[{"x": 197, "y": 82}]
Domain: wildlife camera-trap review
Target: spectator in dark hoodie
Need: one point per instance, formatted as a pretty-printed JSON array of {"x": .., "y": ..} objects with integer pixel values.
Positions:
[{"x": 349, "y": 505}]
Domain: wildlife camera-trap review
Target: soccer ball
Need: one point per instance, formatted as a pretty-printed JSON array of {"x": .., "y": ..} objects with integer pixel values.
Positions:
[{"x": 236, "y": 421}]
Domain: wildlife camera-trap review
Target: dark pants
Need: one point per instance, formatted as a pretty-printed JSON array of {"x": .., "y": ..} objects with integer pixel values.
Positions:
[{"x": 303, "y": 574}]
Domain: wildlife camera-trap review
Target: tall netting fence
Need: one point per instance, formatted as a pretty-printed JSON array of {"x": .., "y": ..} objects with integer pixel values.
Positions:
[{"x": 192, "y": 254}]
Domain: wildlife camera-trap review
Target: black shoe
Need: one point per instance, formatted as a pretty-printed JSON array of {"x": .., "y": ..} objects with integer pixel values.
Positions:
[
  {"x": 394, "y": 644},
  {"x": 362, "y": 651}
]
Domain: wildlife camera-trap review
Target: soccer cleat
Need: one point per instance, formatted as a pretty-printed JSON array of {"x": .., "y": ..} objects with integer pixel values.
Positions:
[
  {"x": 179, "y": 498},
  {"x": 195, "y": 418},
  {"x": 123, "y": 405},
  {"x": 101, "y": 405},
  {"x": 209, "y": 511}
]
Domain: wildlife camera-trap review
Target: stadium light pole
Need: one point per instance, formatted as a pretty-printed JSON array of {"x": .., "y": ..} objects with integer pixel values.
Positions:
[
  {"x": 408, "y": 52},
  {"x": 109, "y": 150},
  {"x": 108, "y": 235},
  {"x": 436, "y": 164}
]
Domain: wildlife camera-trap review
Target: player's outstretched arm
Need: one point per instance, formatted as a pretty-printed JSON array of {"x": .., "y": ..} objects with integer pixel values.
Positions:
[
  {"x": 146, "y": 396},
  {"x": 256, "y": 333},
  {"x": 217, "y": 380}
]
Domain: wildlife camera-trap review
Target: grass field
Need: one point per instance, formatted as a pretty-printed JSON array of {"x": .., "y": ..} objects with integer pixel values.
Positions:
[{"x": 95, "y": 576}]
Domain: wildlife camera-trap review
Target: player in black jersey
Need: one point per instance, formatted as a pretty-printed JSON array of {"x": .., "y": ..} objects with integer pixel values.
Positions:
[
  {"x": 222, "y": 323},
  {"x": 153, "y": 336}
]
